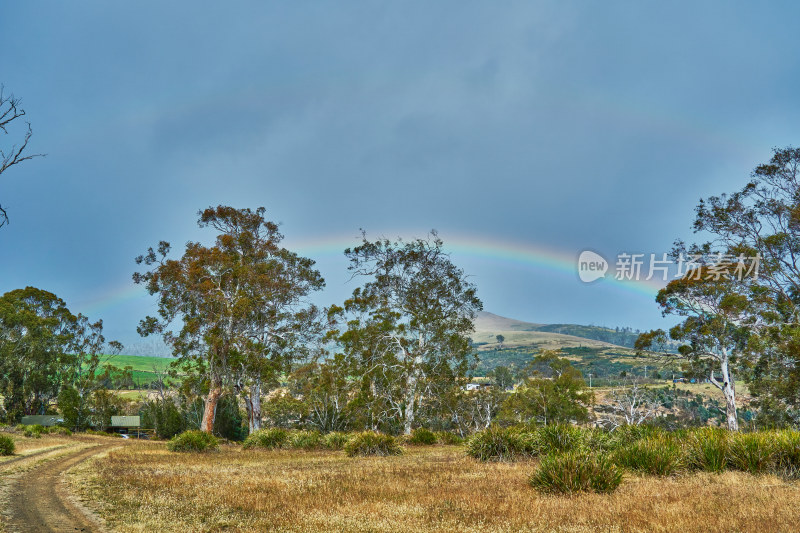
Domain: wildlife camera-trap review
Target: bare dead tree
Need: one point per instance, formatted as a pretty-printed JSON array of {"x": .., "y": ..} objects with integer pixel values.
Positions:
[
  {"x": 629, "y": 405},
  {"x": 11, "y": 111}
]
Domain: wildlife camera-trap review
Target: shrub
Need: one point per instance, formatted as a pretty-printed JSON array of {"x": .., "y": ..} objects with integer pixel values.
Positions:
[
  {"x": 20, "y": 427},
  {"x": 576, "y": 472},
  {"x": 193, "y": 441},
  {"x": 502, "y": 444},
  {"x": 752, "y": 452},
  {"x": 305, "y": 439},
  {"x": 445, "y": 437},
  {"x": 61, "y": 430},
  {"x": 787, "y": 453},
  {"x": 657, "y": 455},
  {"x": 372, "y": 443},
  {"x": 335, "y": 440},
  {"x": 269, "y": 439},
  {"x": 560, "y": 438},
  {"x": 422, "y": 437},
  {"x": 7, "y": 445},
  {"x": 629, "y": 433},
  {"x": 709, "y": 449}
]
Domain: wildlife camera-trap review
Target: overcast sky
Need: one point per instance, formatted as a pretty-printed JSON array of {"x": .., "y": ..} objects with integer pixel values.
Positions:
[{"x": 554, "y": 126}]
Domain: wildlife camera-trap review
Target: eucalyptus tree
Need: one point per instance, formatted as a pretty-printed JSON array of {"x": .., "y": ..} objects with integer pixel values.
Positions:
[
  {"x": 46, "y": 352},
  {"x": 719, "y": 313},
  {"x": 408, "y": 326},
  {"x": 238, "y": 307}
]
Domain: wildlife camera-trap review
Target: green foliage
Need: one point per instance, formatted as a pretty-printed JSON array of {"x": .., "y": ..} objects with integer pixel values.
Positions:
[
  {"x": 752, "y": 452},
  {"x": 560, "y": 438},
  {"x": 306, "y": 440},
  {"x": 407, "y": 328},
  {"x": 193, "y": 441},
  {"x": 503, "y": 444},
  {"x": 335, "y": 440},
  {"x": 7, "y": 445},
  {"x": 422, "y": 437},
  {"x": 576, "y": 472},
  {"x": 229, "y": 422},
  {"x": 787, "y": 454},
  {"x": 267, "y": 439},
  {"x": 556, "y": 392},
  {"x": 446, "y": 437},
  {"x": 164, "y": 416},
  {"x": 372, "y": 443},
  {"x": 656, "y": 455},
  {"x": 709, "y": 449},
  {"x": 283, "y": 410}
]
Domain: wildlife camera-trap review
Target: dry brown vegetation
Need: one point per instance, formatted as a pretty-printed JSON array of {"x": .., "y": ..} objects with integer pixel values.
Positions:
[{"x": 145, "y": 488}]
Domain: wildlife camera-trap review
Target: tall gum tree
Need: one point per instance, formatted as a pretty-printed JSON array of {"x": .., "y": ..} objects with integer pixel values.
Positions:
[
  {"x": 408, "y": 326},
  {"x": 235, "y": 312}
]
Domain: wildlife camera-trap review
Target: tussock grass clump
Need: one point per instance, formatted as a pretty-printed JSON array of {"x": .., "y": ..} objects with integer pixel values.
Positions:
[
  {"x": 445, "y": 437},
  {"x": 787, "y": 454},
  {"x": 629, "y": 433},
  {"x": 422, "y": 437},
  {"x": 752, "y": 452},
  {"x": 7, "y": 445},
  {"x": 372, "y": 443},
  {"x": 193, "y": 441},
  {"x": 656, "y": 455},
  {"x": 560, "y": 438},
  {"x": 61, "y": 430},
  {"x": 305, "y": 440},
  {"x": 502, "y": 444},
  {"x": 335, "y": 440},
  {"x": 576, "y": 472},
  {"x": 267, "y": 439},
  {"x": 709, "y": 449}
]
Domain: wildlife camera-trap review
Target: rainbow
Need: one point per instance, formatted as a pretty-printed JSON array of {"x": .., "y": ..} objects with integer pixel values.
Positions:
[{"x": 535, "y": 257}]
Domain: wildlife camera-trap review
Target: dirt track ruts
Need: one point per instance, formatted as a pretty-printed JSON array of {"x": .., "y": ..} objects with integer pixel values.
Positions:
[{"x": 38, "y": 500}]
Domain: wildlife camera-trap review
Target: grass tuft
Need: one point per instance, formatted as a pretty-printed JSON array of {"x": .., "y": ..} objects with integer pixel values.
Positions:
[
  {"x": 576, "y": 472},
  {"x": 193, "y": 441},
  {"x": 372, "y": 443}
]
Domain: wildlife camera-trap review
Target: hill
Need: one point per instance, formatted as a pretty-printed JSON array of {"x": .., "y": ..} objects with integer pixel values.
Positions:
[{"x": 590, "y": 348}]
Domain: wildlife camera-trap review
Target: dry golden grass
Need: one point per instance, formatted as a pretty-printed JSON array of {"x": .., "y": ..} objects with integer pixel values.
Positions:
[{"x": 145, "y": 488}]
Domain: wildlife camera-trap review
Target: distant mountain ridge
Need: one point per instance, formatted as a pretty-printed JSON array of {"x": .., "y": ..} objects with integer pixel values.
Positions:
[{"x": 519, "y": 333}]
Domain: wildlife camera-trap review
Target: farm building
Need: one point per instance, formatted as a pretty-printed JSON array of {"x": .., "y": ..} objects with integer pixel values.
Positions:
[{"x": 42, "y": 420}]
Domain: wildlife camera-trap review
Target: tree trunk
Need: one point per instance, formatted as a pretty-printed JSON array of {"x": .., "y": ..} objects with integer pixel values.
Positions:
[
  {"x": 210, "y": 408},
  {"x": 252, "y": 403},
  {"x": 729, "y": 390},
  {"x": 411, "y": 396}
]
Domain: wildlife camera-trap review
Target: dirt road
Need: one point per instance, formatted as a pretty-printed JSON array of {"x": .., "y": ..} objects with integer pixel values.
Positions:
[{"x": 39, "y": 501}]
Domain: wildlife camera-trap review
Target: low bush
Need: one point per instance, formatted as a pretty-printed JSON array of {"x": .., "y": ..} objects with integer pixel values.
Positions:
[
  {"x": 60, "y": 430},
  {"x": 305, "y": 440},
  {"x": 422, "y": 437},
  {"x": 372, "y": 443},
  {"x": 560, "y": 438},
  {"x": 629, "y": 433},
  {"x": 787, "y": 454},
  {"x": 576, "y": 472},
  {"x": 445, "y": 437},
  {"x": 752, "y": 452},
  {"x": 502, "y": 444},
  {"x": 193, "y": 441},
  {"x": 657, "y": 455},
  {"x": 335, "y": 440},
  {"x": 7, "y": 445},
  {"x": 708, "y": 449},
  {"x": 269, "y": 439}
]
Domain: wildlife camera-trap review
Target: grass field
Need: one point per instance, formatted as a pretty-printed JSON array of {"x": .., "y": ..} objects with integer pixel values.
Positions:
[{"x": 146, "y": 488}]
